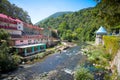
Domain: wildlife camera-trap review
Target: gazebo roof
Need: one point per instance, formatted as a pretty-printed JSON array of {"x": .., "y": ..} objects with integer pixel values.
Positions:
[{"x": 101, "y": 30}]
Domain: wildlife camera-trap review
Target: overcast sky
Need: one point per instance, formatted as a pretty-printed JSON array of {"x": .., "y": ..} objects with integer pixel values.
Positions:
[{"x": 40, "y": 9}]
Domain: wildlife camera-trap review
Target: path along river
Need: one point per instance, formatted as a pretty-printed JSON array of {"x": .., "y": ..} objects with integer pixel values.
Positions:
[{"x": 68, "y": 59}]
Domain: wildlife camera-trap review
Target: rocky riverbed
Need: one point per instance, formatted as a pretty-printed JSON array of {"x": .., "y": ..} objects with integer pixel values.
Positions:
[{"x": 52, "y": 67}]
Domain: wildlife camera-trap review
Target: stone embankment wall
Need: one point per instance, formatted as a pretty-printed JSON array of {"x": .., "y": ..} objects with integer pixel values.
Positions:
[{"x": 116, "y": 62}]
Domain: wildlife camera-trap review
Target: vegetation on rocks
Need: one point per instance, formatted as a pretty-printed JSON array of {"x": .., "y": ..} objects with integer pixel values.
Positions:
[
  {"x": 100, "y": 58},
  {"x": 112, "y": 44},
  {"x": 83, "y": 74}
]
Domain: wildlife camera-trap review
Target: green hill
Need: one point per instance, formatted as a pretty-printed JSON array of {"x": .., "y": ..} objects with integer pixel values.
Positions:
[
  {"x": 81, "y": 25},
  {"x": 55, "y": 15}
]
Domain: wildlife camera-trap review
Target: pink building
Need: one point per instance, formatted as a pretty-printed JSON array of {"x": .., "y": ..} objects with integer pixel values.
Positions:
[{"x": 25, "y": 38}]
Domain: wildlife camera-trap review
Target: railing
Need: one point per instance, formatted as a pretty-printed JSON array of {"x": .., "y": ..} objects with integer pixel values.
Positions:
[
  {"x": 15, "y": 36},
  {"x": 34, "y": 36},
  {"x": 9, "y": 20},
  {"x": 32, "y": 26},
  {"x": 8, "y": 27}
]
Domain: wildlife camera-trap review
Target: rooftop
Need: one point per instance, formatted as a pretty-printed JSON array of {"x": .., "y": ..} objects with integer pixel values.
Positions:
[
  {"x": 26, "y": 46},
  {"x": 101, "y": 30}
]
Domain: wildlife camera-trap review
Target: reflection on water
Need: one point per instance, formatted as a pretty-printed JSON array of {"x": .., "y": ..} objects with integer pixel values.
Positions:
[{"x": 67, "y": 59}]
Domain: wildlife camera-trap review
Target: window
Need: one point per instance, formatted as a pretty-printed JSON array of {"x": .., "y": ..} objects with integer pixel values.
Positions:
[
  {"x": 21, "y": 41},
  {"x": 19, "y": 27}
]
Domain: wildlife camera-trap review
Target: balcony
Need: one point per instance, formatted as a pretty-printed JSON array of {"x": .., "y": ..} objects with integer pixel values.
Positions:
[
  {"x": 33, "y": 36},
  {"x": 8, "y": 27}
]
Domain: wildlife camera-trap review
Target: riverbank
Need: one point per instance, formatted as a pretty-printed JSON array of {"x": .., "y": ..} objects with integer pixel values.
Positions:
[
  {"x": 37, "y": 57},
  {"x": 57, "y": 62},
  {"x": 100, "y": 60},
  {"x": 32, "y": 60}
]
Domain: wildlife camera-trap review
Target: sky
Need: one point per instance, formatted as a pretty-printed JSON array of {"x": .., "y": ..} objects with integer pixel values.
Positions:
[{"x": 41, "y": 9}]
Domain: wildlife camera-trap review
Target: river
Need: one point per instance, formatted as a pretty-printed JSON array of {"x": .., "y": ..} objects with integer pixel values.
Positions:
[{"x": 66, "y": 60}]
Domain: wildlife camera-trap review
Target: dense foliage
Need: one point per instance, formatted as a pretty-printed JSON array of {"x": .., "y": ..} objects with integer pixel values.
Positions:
[
  {"x": 81, "y": 25},
  {"x": 14, "y": 11},
  {"x": 112, "y": 44},
  {"x": 8, "y": 61},
  {"x": 55, "y": 15},
  {"x": 98, "y": 56}
]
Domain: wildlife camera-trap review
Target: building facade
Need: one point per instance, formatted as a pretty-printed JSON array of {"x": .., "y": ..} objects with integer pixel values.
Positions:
[{"x": 26, "y": 39}]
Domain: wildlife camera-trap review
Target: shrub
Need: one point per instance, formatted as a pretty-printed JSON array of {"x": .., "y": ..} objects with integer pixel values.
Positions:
[
  {"x": 112, "y": 44},
  {"x": 83, "y": 74},
  {"x": 7, "y": 60}
]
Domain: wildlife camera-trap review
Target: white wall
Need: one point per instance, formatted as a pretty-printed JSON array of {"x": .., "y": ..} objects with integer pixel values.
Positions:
[
  {"x": 20, "y": 26},
  {"x": 15, "y": 32}
]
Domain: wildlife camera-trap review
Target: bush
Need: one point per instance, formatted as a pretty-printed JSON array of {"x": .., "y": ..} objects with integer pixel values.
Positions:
[
  {"x": 7, "y": 60},
  {"x": 112, "y": 44},
  {"x": 16, "y": 59},
  {"x": 8, "y": 63},
  {"x": 83, "y": 74}
]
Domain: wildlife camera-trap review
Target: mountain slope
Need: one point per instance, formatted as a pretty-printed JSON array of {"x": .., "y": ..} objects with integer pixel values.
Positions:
[
  {"x": 55, "y": 15},
  {"x": 81, "y": 25}
]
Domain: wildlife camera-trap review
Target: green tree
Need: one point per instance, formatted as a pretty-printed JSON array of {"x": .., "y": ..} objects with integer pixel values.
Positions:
[
  {"x": 86, "y": 21},
  {"x": 7, "y": 60},
  {"x": 67, "y": 35},
  {"x": 54, "y": 34}
]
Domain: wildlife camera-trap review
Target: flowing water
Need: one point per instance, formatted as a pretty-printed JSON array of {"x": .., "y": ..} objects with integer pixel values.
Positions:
[{"x": 66, "y": 60}]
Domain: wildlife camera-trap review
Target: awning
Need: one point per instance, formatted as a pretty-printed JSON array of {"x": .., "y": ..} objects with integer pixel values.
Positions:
[{"x": 26, "y": 46}]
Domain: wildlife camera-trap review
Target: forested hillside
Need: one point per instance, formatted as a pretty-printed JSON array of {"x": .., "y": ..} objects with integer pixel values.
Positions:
[
  {"x": 55, "y": 15},
  {"x": 14, "y": 11},
  {"x": 81, "y": 25}
]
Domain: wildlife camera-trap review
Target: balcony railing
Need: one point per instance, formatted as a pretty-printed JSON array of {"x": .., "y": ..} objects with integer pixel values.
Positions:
[
  {"x": 34, "y": 36},
  {"x": 9, "y": 20},
  {"x": 32, "y": 26},
  {"x": 8, "y": 27}
]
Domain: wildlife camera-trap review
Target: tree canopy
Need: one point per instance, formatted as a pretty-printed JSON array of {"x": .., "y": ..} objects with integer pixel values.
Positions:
[
  {"x": 8, "y": 61},
  {"x": 85, "y": 22},
  {"x": 14, "y": 11}
]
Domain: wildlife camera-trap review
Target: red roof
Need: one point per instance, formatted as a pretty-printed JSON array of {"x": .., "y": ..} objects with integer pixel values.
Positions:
[
  {"x": 9, "y": 19},
  {"x": 18, "y": 20},
  {"x": 32, "y": 26},
  {"x": 3, "y": 16},
  {"x": 6, "y": 18}
]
